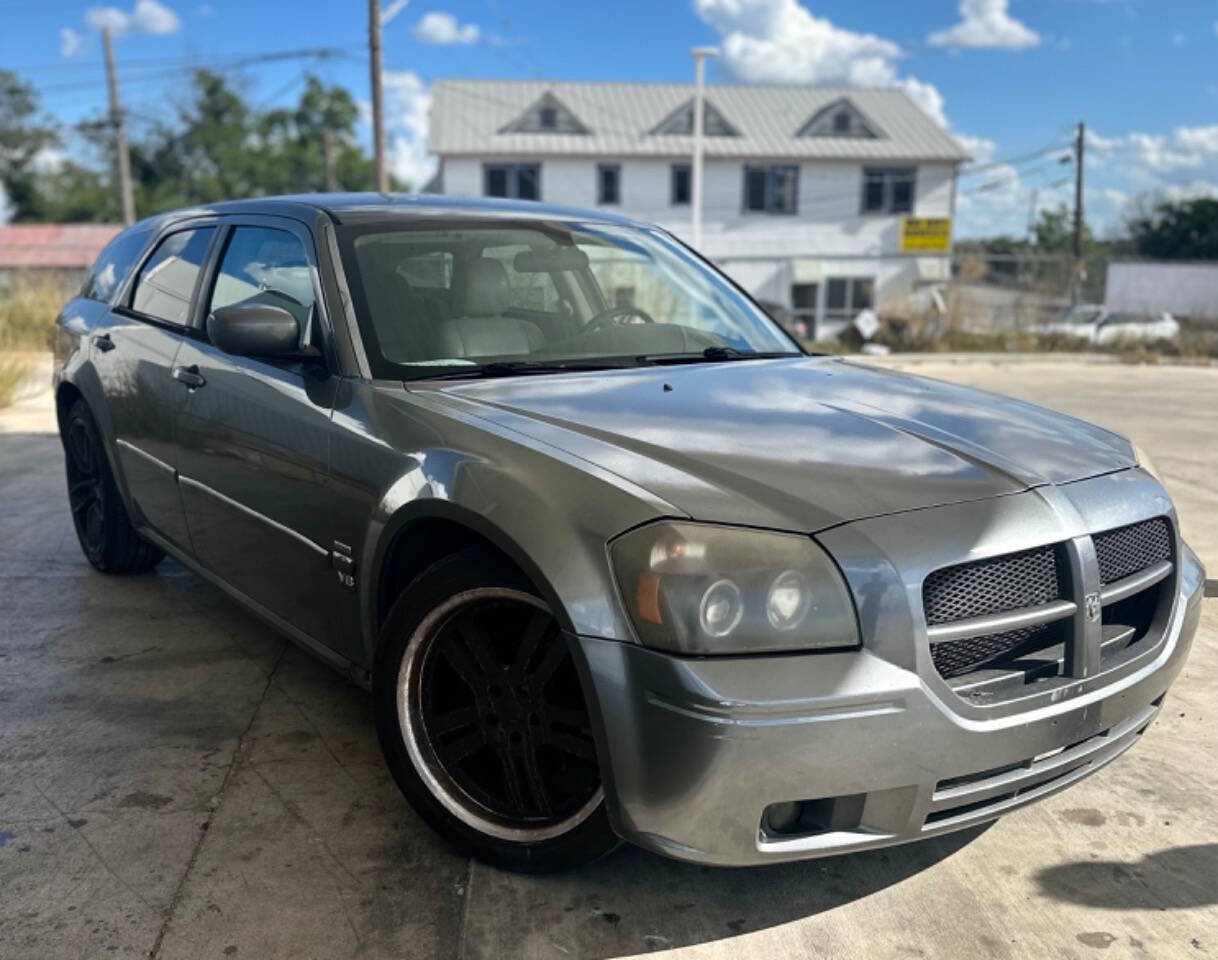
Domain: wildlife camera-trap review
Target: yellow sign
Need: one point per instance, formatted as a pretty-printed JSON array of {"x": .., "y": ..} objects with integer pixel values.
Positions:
[{"x": 926, "y": 234}]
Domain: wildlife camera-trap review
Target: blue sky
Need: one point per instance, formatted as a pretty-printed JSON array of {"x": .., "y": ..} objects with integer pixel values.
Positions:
[{"x": 1007, "y": 77}]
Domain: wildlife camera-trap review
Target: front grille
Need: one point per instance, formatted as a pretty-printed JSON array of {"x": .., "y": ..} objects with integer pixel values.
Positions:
[
  {"x": 997, "y": 585},
  {"x": 1128, "y": 550},
  {"x": 955, "y": 658}
]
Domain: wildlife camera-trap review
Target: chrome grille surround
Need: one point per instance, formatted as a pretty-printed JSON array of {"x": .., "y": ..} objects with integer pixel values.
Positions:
[{"x": 1018, "y": 614}]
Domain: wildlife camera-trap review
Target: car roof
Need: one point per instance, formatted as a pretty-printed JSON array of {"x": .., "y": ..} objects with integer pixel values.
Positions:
[{"x": 368, "y": 207}]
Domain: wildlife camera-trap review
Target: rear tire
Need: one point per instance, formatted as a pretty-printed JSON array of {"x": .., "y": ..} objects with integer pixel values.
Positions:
[
  {"x": 482, "y": 719},
  {"x": 104, "y": 530}
]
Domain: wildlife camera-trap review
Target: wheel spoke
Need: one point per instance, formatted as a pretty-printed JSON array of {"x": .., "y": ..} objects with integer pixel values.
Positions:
[
  {"x": 453, "y": 720},
  {"x": 511, "y": 778},
  {"x": 534, "y": 633},
  {"x": 555, "y": 653},
  {"x": 475, "y": 642},
  {"x": 574, "y": 746},
  {"x": 459, "y": 659},
  {"x": 537, "y": 783},
  {"x": 462, "y": 747}
]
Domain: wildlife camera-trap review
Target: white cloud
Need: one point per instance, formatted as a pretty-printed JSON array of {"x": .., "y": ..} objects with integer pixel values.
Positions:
[
  {"x": 407, "y": 114},
  {"x": 442, "y": 29},
  {"x": 980, "y": 149},
  {"x": 985, "y": 24},
  {"x": 780, "y": 41},
  {"x": 1185, "y": 148},
  {"x": 147, "y": 16},
  {"x": 1193, "y": 190},
  {"x": 70, "y": 42}
]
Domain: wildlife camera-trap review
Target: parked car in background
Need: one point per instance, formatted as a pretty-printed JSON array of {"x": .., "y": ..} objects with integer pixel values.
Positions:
[
  {"x": 1099, "y": 326},
  {"x": 639, "y": 570}
]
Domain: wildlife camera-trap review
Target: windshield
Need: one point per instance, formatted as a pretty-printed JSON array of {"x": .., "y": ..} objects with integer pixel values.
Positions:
[
  {"x": 1083, "y": 313},
  {"x": 435, "y": 298}
]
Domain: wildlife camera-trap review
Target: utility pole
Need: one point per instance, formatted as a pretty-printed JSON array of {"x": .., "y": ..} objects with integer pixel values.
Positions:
[
  {"x": 378, "y": 102},
  {"x": 122, "y": 160},
  {"x": 695, "y": 187},
  {"x": 1079, "y": 266}
]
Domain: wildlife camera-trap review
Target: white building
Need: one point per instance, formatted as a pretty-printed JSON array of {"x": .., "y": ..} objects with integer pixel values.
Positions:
[{"x": 820, "y": 200}]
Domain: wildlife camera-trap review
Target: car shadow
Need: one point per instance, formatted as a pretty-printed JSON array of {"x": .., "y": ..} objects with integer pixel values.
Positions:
[
  {"x": 634, "y": 902},
  {"x": 1179, "y": 878}
]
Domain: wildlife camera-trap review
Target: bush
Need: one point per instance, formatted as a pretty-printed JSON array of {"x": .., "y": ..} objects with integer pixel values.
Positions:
[
  {"x": 13, "y": 371},
  {"x": 28, "y": 309}
]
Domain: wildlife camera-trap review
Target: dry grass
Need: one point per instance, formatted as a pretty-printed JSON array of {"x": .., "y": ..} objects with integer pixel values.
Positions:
[
  {"x": 28, "y": 309},
  {"x": 13, "y": 371}
]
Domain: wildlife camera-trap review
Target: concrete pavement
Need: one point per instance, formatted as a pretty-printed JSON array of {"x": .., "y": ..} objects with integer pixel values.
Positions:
[{"x": 177, "y": 781}]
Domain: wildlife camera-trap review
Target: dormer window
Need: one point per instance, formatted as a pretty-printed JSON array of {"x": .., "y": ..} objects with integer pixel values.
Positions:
[
  {"x": 681, "y": 122},
  {"x": 841, "y": 118},
  {"x": 546, "y": 115}
]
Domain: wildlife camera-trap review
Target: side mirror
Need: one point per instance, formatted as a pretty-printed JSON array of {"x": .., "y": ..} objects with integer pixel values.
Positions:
[{"x": 254, "y": 330}]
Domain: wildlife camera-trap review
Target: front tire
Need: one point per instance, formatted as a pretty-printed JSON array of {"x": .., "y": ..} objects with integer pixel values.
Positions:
[
  {"x": 104, "y": 530},
  {"x": 482, "y": 719}
]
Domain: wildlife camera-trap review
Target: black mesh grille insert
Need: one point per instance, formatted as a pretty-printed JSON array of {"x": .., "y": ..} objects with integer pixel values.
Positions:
[
  {"x": 1128, "y": 550},
  {"x": 954, "y": 658},
  {"x": 1004, "y": 583}
]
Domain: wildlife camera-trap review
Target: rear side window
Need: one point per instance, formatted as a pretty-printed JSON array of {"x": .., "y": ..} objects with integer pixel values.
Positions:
[
  {"x": 113, "y": 265},
  {"x": 265, "y": 266},
  {"x": 166, "y": 282}
]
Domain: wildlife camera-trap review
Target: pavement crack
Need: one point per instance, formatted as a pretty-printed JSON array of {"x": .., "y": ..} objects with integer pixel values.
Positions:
[
  {"x": 469, "y": 896},
  {"x": 205, "y": 829}
]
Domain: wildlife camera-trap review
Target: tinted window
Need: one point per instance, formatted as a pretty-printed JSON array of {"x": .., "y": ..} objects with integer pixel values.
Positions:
[
  {"x": 113, "y": 265},
  {"x": 263, "y": 265},
  {"x": 167, "y": 280}
]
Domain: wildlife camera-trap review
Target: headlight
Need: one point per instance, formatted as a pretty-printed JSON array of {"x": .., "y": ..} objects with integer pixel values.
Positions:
[
  {"x": 695, "y": 588},
  {"x": 1146, "y": 463}
]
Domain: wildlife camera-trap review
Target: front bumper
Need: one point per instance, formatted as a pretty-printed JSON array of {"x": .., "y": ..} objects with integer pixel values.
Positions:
[{"x": 695, "y": 750}]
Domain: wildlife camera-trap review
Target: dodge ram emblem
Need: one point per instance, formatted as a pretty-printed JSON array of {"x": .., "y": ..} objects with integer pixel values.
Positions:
[{"x": 1092, "y": 601}]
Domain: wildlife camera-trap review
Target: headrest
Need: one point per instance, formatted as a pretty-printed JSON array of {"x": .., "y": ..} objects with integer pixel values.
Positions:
[{"x": 486, "y": 288}]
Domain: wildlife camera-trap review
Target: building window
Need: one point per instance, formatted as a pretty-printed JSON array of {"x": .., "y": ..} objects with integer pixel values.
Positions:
[
  {"x": 608, "y": 183},
  {"x": 772, "y": 189},
  {"x": 846, "y": 296},
  {"x": 888, "y": 189},
  {"x": 517, "y": 181},
  {"x": 841, "y": 122},
  {"x": 547, "y": 118},
  {"x": 803, "y": 308},
  {"x": 682, "y": 185}
]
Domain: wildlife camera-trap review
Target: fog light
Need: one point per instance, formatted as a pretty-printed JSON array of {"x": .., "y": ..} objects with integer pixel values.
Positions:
[
  {"x": 788, "y": 600},
  {"x": 783, "y": 817},
  {"x": 721, "y": 608}
]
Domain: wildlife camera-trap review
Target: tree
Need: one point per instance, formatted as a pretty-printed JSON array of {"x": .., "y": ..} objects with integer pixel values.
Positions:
[
  {"x": 1054, "y": 232},
  {"x": 23, "y": 135},
  {"x": 1186, "y": 230}
]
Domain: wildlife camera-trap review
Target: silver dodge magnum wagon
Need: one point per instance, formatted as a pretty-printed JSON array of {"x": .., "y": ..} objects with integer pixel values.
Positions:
[{"x": 615, "y": 557}]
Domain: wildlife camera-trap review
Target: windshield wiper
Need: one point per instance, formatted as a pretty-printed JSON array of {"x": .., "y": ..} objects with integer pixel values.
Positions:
[
  {"x": 515, "y": 368},
  {"x": 713, "y": 354}
]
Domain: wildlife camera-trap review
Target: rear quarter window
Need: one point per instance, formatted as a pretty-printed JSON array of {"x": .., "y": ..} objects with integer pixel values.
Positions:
[{"x": 113, "y": 265}]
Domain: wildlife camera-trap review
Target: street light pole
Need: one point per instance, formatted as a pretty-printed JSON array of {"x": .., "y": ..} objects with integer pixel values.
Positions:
[
  {"x": 699, "y": 54},
  {"x": 122, "y": 161}
]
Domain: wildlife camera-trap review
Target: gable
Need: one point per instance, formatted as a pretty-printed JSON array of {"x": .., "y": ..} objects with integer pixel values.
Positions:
[
  {"x": 841, "y": 118},
  {"x": 547, "y": 114},
  {"x": 681, "y": 122}
]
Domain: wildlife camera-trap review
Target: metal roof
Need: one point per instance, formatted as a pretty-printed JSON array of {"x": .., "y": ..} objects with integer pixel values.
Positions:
[
  {"x": 467, "y": 115},
  {"x": 53, "y": 245}
]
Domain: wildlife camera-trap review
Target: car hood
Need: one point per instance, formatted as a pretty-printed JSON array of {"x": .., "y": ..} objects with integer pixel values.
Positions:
[{"x": 801, "y": 443}]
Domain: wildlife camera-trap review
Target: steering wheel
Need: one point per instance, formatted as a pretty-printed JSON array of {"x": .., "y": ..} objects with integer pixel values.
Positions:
[{"x": 616, "y": 316}]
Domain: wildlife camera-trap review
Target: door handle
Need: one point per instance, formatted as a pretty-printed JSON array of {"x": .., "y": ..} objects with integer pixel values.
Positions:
[
  {"x": 189, "y": 376},
  {"x": 103, "y": 342}
]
